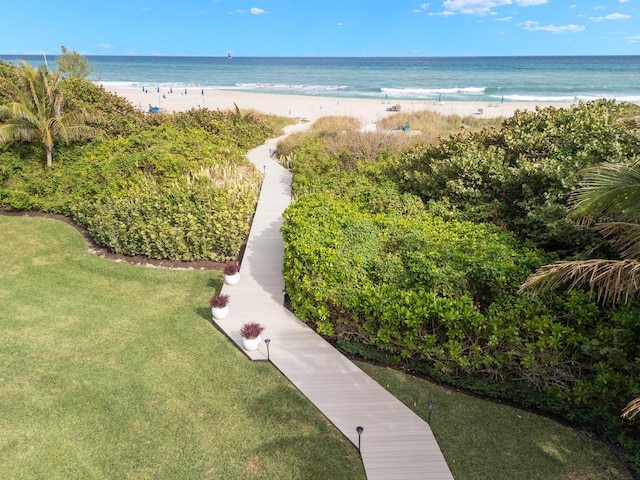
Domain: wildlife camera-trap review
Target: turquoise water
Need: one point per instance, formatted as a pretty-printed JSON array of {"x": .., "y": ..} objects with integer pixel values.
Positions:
[{"x": 548, "y": 79}]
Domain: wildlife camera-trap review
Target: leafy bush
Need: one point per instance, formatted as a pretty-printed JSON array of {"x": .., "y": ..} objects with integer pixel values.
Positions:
[
  {"x": 521, "y": 176},
  {"x": 117, "y": 116},
  {"x": 164, "y": 186},
  {"x": 371, "y": 266}
]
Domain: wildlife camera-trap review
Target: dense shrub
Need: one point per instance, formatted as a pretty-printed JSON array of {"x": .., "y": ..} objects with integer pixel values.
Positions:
[
  {"x": 521, "y": 176},
  {"x": 164, "y": 186},
  {"x": 117, "y": 117},
  {"x": 246, "y": 130},
  {"x": 186, "y": 220}
]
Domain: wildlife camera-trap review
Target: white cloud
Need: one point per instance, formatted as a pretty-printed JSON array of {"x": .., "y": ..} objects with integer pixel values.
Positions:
[
  {"x": 624, "y": 1},
  {"x": 106, "y": 45},
  {"x": 612, "y": 16},
  {"x": 536, "y": 27},
  {"x": 505, "y": 19},
  {"x": 421, "y": 8},
  {"x": 343, "y": 24},
  {"x": 252, "y": 11},
  {"x": 484, "y": 7}
]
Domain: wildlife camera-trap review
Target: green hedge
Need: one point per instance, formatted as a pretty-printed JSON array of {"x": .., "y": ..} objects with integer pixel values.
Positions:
[{"x": 520, "y": 176}]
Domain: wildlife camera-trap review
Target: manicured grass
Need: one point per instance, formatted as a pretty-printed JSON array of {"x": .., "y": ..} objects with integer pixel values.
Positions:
[
  {"x": 481, "y": 439},
  {"x": 110, "y": 370}
]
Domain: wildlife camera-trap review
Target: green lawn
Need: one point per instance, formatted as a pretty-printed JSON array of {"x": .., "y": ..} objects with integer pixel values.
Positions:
[
  {"x": 483, "y": 440},
  {"x": 109, "y": 370}
]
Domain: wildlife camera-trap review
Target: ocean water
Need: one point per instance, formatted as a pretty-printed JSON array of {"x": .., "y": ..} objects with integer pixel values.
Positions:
[{"x": 542, "y": 79}]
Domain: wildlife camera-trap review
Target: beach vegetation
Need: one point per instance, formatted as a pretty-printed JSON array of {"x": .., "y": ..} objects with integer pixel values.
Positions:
[
  {"x": 415, "y": 258},
  {"x": 35, "y": 112},
  {"x": 72, "y": 64},
  {"x": 342, "y": 140},
  {"x": 336, "y": 124},
  {"x": 433, "y": 125},
  {"x": 173, "y": 187}
]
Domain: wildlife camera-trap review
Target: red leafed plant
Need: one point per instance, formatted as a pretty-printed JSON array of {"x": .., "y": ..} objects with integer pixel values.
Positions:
[
  {"x": 219, "y": 301},
  {"x": 251, "y": 330},
  {"x": 231, "y": 268}
]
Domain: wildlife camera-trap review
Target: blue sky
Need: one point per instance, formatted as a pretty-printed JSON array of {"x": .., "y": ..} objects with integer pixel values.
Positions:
[{"x": 322, "y": 27}]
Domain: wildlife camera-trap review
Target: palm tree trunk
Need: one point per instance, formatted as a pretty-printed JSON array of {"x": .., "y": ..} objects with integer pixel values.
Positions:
[{"x": 49, "y": 150}]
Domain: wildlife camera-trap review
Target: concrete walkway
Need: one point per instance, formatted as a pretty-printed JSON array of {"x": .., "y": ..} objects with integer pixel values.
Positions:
[{"x": 396, "y": 444}]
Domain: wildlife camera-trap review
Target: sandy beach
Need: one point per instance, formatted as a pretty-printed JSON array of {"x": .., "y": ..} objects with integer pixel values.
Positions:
[{"x": 368, "y": 111}]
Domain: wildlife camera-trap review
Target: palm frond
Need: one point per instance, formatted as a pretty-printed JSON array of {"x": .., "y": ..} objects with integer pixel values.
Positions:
[
  {"x": 624, "y": 236},
  {"x": 632, "y": 409},
  {"x": 610, "y": 189},
  {"x": 611, "y": 280},
  {"x": 11, "y": 131}
]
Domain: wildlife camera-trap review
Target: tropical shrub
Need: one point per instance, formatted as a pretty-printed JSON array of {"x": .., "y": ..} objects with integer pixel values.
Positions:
[
  {"x": 520, "y": 177},
  {"x": 164, "y": 186},
  {"x": 415, "y": 258},
  {"x": 116, "y": 116}
]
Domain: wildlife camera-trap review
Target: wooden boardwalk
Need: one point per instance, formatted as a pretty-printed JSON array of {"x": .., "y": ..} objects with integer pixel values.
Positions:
[{"x": 396, "y": 444}]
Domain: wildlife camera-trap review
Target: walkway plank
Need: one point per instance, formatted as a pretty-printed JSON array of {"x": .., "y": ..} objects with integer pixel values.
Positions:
[{"x": 396, "y": 443}]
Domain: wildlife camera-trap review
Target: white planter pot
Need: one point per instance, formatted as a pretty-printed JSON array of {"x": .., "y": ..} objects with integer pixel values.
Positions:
[
  {"x": 251, "y": 344},
  {"x": 232, "y": 279},
  {"x": 220, "y": 313}
]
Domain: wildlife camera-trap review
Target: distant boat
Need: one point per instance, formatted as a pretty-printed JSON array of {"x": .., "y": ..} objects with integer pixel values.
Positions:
[{"x": 228, "y": 55}]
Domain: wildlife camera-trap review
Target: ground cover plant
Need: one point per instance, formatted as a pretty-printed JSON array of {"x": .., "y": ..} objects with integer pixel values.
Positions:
[
  {"x": 114, "y": 371},
  {"x": 415, "y": 257}
]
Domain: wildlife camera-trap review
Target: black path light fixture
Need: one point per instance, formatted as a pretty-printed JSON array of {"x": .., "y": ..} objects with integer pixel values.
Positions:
[
  {"x": 430, "y": 404},
  {"x": 267, "y": 341},
  {"x": 359, "y": 431}
]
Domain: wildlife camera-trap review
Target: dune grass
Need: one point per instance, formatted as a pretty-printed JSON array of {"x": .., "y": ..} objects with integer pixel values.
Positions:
[
  {"x": 433, "y": 125},
  {"x": 481, "y": 439},
  {"x": 109, "y": 370}
]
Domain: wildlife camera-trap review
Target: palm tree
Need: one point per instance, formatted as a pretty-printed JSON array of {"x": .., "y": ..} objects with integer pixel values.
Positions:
[
  {"x": 36, "y": 111},
  {"x": 609, "y": 196}
]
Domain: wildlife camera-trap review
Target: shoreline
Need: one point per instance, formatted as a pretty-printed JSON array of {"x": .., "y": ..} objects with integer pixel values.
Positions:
[{"x": 368, "y": 111}]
